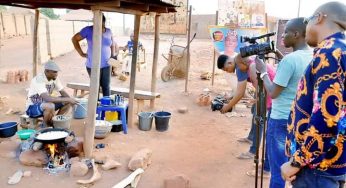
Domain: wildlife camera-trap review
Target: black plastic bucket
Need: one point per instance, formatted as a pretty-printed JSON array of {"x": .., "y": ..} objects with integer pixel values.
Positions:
[{"x": 162, "y": 120}]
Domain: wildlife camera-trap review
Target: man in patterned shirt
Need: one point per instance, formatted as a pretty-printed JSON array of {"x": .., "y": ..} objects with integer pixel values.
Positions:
[
  {"x": 41, "y": 101},
  {"x": 317, "y": 124}
]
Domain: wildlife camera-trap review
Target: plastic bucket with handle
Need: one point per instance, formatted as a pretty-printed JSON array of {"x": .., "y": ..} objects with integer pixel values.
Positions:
[
  {"x": 162, "y": 120},
  {"x": 80, "y": 109},
  {"x": 145, "y": 120}
]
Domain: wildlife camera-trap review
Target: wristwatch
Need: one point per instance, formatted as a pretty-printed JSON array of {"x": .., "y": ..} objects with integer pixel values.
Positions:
[
  {"x": 263, "y": 74},
  {"x": 295, "y": 164}
]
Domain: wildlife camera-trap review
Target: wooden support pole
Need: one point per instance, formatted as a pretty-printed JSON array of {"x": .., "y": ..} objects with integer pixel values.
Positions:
[
  {"x": 133, "y": 70},
  {"x": 214, "y": 57},
  {"x": 188, "y": 51},
  {"x": 155, "y": 58},
  {"x": 89, "y": 129},
  {"x": 35, "y": 43}
]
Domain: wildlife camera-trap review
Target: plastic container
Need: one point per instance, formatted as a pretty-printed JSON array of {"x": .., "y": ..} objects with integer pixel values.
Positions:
[
  {"x": 117, "y": 126},
  {"x": 162, "y": 120},
  {"x": 80, "y": 109},
  {"x": 25, "y": 133},
  {"x": 106, "y": 100},
  {"x": 145, "y": 120},
  {"x": 111, "y": 116},
  {"x": 61, "y": 121},
  {"x": 8, "y": 129}
]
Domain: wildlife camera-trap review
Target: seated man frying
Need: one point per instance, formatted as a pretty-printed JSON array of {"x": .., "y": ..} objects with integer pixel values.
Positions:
[{"x": 41, "y": 102}]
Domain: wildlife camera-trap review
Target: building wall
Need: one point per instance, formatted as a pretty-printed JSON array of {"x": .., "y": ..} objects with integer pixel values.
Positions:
[
  {"x": 9, "y": 27},
  {"x": 20, "y": 25},
  {"x": 60, "y": 34},
  {"x": 200, "y": 23}
]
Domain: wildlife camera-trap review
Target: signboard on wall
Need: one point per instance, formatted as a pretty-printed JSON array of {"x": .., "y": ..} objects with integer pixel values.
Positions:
[
  {"x": 242, "y": 13},
  {"x": 170, "y": 23},
  {"x": 226, "y": 40},
  {"x": 279, "y": 42}
]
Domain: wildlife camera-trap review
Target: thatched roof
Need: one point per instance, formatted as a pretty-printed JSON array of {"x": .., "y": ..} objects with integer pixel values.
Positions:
[{"x": 122, "y": 6}]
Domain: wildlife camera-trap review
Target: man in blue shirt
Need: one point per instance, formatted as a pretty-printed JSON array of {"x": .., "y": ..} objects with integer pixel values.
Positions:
[
  {"x": 228, "y": 64},
  {"x": 244, "y": 69},
  {"x": 282, "y": 90},
  {"x": 317, "y": 125}
]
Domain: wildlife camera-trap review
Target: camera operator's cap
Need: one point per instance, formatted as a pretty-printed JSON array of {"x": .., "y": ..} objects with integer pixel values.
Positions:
[{"x": 51, "y": 65}]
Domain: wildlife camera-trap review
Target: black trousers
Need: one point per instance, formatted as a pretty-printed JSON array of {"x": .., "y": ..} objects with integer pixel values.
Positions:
[{"x": 105, "y": 79}]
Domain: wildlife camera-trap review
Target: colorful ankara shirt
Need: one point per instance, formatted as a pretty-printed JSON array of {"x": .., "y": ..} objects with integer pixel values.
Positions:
[{"x": 317, "y": 121}]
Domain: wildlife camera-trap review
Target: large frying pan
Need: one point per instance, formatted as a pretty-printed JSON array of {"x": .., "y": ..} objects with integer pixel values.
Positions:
[{"x": 50, "y": 141}]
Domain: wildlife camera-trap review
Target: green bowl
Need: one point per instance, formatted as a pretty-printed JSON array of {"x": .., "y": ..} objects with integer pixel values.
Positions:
[{"x": 25, "y": 133}]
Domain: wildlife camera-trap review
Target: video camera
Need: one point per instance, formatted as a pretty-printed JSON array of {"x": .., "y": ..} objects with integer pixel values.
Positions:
[
  {"x": 256, "y": 48},
  {"x": 218, "y": 102}
]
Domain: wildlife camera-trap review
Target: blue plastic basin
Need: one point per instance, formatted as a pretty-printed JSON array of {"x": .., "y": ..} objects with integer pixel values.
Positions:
[{"x": 8, "y": 129}]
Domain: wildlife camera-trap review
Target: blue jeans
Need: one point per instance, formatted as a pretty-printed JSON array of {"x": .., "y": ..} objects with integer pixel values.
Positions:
[
  {"x": 276, "y": 137},
  {"x": 253, "y": 138},
  {"x": 307, "y": 178},
  {"x": 105, "y": 79}
]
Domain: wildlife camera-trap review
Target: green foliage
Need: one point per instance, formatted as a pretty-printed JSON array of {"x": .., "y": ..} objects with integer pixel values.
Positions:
[{"x": 49, "y": 13}]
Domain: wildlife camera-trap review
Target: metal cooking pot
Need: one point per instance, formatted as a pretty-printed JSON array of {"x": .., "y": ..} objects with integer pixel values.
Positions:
[{"x": 50, "y": 140}]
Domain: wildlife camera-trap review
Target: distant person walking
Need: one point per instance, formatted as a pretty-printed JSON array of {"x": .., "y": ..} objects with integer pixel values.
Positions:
[{"x": 108, "y": 50}]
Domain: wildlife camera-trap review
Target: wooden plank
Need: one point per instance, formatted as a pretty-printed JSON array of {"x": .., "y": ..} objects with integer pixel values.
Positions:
[
  {"x": 133, "y": 70},
  {"x": 139, "y": 94},
  {"x": 188, "y": 51},
  {"x": 155, "y": 58},
  {"x": 34, "y": 43},
  {"x": 124, "y": 6},
  {"x": 214, "y": 56},
  {"x": 118, "y": 9},
  {"x": 94, "y": 83}
]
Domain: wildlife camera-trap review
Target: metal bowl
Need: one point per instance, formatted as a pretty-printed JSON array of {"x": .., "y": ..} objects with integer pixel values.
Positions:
[
  {"x": 53, "y": 140},
  {"x": 102, "y": 128}
]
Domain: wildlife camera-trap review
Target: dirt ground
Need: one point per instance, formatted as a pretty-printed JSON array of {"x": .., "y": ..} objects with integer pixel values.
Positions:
[{"x": 200, "y": 144}]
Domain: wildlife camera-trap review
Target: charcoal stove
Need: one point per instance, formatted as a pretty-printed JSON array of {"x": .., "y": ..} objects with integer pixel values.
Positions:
[{"x": 55, "y": 147}]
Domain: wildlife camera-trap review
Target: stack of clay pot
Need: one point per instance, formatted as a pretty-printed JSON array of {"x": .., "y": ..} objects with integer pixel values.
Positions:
[
  {"x": 204, "y": 100},
  {"x": 14, "y": 77}
]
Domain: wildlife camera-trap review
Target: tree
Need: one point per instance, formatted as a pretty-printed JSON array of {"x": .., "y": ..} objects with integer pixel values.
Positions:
[{"x": 49, "y": 13}]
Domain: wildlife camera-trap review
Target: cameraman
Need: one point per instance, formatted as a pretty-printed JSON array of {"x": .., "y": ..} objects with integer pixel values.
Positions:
[
  {"x": 246, "y": 71},
  {"x": 228, "y": 64},
  {"x": 283, "y": 90}
]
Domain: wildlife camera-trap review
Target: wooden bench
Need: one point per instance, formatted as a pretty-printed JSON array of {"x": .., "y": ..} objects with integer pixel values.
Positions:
[{"x": 140, "y": 95}]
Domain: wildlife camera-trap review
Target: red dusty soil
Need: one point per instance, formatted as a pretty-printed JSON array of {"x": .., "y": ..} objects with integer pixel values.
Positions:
[{"x": 200, "y": 144}]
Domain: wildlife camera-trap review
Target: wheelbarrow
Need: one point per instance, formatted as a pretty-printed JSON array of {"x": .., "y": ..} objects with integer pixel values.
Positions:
[{"x": 176, "y": 62}]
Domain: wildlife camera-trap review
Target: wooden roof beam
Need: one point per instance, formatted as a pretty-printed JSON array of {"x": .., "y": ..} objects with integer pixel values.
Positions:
[
  {"x": 117, "y": 9},
  {"x": 158, "y": 9}
]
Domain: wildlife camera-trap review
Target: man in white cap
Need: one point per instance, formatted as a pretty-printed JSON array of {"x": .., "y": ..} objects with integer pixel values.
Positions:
[{"x": 42, "y": 101}]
